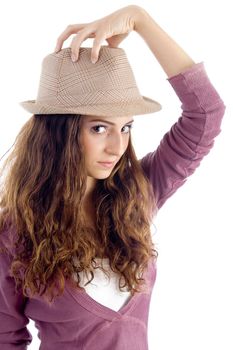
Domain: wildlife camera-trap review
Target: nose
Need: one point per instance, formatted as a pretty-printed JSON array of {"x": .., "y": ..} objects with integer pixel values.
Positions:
[{"x": 115, "y": 144}]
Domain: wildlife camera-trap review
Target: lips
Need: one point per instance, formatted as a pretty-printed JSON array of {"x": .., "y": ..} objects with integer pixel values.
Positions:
[{"x": 106, "y": 164}]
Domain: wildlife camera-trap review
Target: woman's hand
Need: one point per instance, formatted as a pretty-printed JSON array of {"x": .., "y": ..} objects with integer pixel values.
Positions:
[{"x": 114, "y": 28}]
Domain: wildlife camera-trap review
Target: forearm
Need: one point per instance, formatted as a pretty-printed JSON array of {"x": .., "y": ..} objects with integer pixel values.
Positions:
[{"x": 172, "y": 58}]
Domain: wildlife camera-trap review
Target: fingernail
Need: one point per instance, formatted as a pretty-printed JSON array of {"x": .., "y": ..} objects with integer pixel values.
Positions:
[
  {"x": 94, "y": 60},
  {"x": 73, "y": 57}
]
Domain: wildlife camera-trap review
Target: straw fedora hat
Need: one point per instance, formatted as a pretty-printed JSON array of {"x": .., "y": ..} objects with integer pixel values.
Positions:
[{"x": 106, "y": 88}]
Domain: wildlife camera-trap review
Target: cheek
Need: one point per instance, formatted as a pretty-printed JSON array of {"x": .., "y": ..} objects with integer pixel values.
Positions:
[
  {"x": 91, "y": 146},
  {"x": 126, "y": 144}
]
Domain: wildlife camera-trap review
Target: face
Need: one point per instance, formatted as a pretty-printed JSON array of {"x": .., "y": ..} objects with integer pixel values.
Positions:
[{"x": 104, "y": 139}]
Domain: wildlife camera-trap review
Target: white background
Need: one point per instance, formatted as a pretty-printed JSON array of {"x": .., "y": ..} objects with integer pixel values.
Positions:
[{"x": 191, "y": 306}]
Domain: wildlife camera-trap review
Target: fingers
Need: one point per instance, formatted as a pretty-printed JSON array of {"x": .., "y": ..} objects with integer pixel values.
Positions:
[
  {"x": 80, "y": 37},
  {"x": 82, "y": 31},
  {"x": 76, "y": 43},
  {"x": 70, "y": 29},
  {"x": 96, "y": 48}
]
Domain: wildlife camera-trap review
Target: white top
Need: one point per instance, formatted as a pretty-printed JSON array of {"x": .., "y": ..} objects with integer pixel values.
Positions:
[{"x": 105, "y": 290}]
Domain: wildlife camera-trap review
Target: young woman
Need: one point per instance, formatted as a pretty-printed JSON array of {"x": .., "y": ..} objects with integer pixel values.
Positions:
[{"x": 77, "y": 205}]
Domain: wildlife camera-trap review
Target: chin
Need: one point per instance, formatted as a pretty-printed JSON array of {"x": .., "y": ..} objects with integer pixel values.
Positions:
[{"x": 101, "y": 176}]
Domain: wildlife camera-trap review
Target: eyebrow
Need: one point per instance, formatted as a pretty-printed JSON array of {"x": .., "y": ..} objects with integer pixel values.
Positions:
[{"x": 107, "y": 122}]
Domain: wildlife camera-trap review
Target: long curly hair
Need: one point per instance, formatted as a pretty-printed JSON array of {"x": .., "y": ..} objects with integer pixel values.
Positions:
[{"x": 42, "y": 203}]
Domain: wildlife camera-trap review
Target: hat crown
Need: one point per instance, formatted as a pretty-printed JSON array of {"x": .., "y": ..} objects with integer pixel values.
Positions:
[{"x": 63, "y": 81}]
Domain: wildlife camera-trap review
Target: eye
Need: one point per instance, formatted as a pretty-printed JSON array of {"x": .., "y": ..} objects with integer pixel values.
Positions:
[
  {"x": 129, "y": 126},
  {"x": 97, "y": 129}
]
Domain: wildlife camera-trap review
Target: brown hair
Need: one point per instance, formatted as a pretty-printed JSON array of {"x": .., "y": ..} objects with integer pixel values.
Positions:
[{"x": 41, "y": 201}]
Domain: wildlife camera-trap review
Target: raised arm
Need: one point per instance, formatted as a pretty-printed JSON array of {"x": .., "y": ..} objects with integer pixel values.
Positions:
[
  {"x": 172, "y": 58},
  {"x": 192, "y": 136},
  {"x": 183, "y": 147}
]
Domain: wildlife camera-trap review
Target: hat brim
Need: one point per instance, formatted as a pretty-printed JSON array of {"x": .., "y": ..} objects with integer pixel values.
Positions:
[{"x": 143, "y": 106}]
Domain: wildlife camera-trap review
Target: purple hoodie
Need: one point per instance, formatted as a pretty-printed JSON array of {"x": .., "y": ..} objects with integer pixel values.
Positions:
[{"x": 75, "y": 321}]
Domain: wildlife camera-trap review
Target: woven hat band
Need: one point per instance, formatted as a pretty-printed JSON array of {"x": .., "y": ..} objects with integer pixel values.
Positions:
[{"x": 91, "y": 98}]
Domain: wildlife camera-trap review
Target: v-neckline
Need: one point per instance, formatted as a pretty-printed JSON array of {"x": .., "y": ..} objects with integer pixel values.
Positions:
[
  {"x": 90, "y": 304},
  {"x": 93, "y": 306}
]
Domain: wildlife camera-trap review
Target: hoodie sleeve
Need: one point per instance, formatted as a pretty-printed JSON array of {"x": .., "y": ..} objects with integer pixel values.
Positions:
[
  {"x": 183, "y": 147},
  {"x": 13, "y": 331}
]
